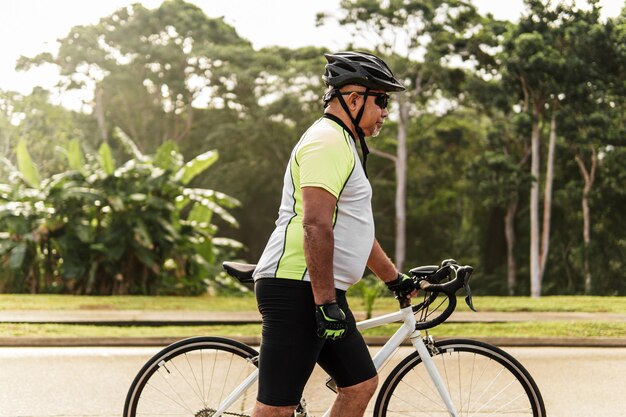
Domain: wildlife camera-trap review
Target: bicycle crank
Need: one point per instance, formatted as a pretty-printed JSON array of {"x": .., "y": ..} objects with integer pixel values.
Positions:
[{"x": 210, "y": 412}]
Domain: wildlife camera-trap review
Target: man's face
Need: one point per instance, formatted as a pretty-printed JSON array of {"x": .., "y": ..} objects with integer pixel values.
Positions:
[{"x": 375, "y": 111}]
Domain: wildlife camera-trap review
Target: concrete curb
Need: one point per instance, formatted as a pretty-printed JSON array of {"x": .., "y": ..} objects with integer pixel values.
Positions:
[{"x": 255, "y": 341}]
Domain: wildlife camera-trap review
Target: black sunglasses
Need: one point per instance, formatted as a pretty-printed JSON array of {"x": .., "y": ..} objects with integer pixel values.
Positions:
[{"x": 381, "y": 99}]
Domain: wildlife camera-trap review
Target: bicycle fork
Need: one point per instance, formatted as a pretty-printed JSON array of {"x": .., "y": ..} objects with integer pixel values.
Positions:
[{"x": 427, "y": 360}]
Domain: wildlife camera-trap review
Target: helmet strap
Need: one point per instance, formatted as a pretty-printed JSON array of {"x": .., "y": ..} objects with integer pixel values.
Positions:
[{"x": 355, "y": 122}]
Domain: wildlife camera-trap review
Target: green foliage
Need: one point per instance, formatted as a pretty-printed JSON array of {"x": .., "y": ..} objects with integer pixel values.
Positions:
[
  {"x": 95, "y": 229},
  {"x": 174, "y": 73},
  {"x": 106, "y": 159},
  {"x": 25, "y": 164},
  {"x": 75, "y": 156},
  {"x": 149, "y": 65},
  {"x": 44, "y": 128},
  {"x": 369, "y": 288}
]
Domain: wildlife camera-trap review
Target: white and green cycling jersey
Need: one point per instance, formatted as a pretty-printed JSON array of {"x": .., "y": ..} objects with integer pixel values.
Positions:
[{"x": 325, "y": 157}]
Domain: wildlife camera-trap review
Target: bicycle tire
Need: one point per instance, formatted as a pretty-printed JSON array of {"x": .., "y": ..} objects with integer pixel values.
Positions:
[
  {"x": 191, "y": 377},
  {"x": 483, "y": 380}
]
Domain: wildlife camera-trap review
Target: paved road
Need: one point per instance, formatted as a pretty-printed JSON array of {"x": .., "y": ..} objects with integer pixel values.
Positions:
[{"x": 72, "y": 382}]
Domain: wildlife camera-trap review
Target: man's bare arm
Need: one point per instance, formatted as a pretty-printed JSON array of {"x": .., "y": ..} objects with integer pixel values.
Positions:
[
  {"x": 384, "y": 269},
  {"x": 380, "y": 264},
  {"x": 318, "y": 207}
]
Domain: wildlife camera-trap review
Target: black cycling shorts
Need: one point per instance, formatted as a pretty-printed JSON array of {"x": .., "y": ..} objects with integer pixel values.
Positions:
[{"x": 290, "y": 347}]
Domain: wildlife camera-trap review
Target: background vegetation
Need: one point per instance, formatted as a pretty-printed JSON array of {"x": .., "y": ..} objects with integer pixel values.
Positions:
[{"x": 506, "y": 152}]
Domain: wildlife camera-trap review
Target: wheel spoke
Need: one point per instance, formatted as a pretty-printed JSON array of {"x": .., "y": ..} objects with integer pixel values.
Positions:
[
  {"x": 483, "y": 381},
  {"x": 195, "y": 378},
  {"x": 190, "y": 378}
]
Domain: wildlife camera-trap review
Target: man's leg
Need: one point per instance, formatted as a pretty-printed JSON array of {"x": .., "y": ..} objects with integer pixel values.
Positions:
[
  {"x": 352, "y": 401},
  {"x": 262, "y": 410},
  {"x": 349, "y": 362},
  {"x": 289, "y": 345}
]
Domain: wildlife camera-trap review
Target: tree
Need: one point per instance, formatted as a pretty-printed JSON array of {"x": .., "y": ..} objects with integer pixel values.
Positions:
[
  {"x": 534, "y": 59},
  {"x": 498, "y": 172},
  {"x": 149, "y": 68},
  {"x": 588, "y": 106},
  {"x": 607, "y": 200},
  {"x": 551, "y": 59}
]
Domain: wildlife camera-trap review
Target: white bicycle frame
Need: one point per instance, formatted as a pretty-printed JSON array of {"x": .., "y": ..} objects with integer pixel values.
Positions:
[{"x": 407, "y": 330}]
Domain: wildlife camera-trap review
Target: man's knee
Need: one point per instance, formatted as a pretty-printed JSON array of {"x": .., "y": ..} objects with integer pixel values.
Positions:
[
  {"x": 264, "y": 410},
  {"x": 367, "y": 387}
]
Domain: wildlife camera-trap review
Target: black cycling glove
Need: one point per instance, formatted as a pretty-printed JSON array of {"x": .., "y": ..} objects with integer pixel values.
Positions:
[
  {"x": 402, "y": 286},
  {"x": 331, "y": 321}
]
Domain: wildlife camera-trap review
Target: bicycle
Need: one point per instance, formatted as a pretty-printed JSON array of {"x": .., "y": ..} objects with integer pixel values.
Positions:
[{"x": 215, "y": 376}]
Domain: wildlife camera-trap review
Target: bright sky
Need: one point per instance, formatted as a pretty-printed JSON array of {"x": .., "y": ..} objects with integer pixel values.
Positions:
[{"x": 28, "y": 27}]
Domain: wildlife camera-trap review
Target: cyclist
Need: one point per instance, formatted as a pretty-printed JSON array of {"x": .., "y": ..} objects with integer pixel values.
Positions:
[{"x": 323, "y": 240}]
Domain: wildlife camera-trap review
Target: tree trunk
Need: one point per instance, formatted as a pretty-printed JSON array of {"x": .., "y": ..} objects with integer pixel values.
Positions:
[
  {"x": 509, "y": 232},
  {"x": 535, "y": 269},
  {"x": 99, "y": 113},
  {"x": 401, "y": 167},
  {"x": 589, "y": 177},
  {"x": 547, "y": 198}
]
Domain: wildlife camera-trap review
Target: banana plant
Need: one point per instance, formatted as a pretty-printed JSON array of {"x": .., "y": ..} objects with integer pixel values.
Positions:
[{"x": 99, "y": 228}]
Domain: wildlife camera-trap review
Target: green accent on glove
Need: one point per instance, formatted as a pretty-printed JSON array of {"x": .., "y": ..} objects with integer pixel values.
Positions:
[{"x": 331, "y": 321}]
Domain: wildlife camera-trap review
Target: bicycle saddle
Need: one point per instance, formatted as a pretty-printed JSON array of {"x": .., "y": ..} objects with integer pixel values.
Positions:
[
  {"x": 423, "y": 271},
  {"x": 243, "y": 272}
]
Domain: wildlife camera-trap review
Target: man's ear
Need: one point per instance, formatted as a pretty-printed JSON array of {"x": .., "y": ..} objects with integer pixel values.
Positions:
[{"x": 353, "y": 99}]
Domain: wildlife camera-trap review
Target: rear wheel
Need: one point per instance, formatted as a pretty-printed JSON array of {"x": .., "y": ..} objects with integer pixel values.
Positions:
[
  {"x": 482, "y": 380},
  {"x": 191, "y": 378}
]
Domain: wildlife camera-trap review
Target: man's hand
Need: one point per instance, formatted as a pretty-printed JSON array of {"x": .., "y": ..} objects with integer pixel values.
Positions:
[
  {"x": 331, "y": 321},
  {"x": 403, "y": 286}
]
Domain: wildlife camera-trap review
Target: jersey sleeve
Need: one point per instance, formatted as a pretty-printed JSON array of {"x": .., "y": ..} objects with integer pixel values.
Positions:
[{"x": 325, "y": 161}]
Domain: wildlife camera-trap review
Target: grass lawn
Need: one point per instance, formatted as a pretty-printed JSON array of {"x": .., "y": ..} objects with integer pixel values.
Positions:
[
  {"x": 513, "y": 329},
  {"x": 157, "y": 303},
  {"x": 521, "y": 329},
  {"x": 69, "y": 330},
  {"x": 593, "y": 304}
]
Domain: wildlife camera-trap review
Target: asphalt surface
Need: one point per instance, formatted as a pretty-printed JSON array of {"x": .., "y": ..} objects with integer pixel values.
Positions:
[
  {"x": 77, "y": 377},
  {"x": 186, "y": 318},
  {"x": 94, "y": 381}
]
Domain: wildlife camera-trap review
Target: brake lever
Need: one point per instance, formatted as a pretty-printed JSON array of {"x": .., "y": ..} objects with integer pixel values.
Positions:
[{"x": 468, "y": 298}]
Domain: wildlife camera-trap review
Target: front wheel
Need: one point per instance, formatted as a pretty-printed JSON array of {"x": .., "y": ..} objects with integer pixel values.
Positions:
[
  {"x": 191, "y": 378},
  {"x": 482, "y": 380}
]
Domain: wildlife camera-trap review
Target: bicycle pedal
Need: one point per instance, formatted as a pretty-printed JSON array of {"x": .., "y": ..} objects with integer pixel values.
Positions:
[{"x": 300, "y": 411}]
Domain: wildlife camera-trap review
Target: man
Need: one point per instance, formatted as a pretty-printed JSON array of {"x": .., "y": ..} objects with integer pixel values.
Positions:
[{"x": 324, "y": 239}]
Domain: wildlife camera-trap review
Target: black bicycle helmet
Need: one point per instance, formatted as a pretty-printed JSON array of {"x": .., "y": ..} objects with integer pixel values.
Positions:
[{"x": 359, "y": 68}]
